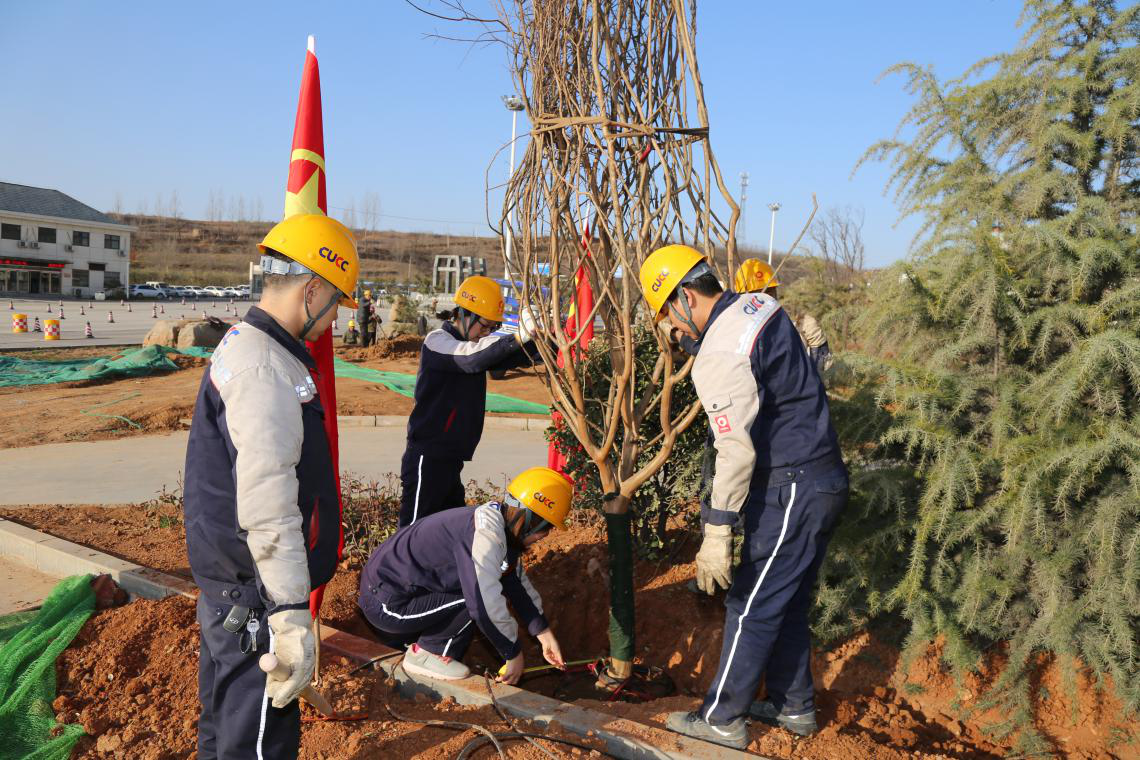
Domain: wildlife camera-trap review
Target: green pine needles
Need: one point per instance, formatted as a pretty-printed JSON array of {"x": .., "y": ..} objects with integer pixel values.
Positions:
[{"x": 1006, "y": 351}]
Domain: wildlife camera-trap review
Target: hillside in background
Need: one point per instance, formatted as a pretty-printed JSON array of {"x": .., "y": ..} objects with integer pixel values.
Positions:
[{"x": 195, "y": 252}]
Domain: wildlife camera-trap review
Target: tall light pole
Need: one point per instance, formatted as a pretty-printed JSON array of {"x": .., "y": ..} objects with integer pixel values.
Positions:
[
  {"x": 774, "y": 207},
  {"x": 514, "y": 104},
  {"x": 743, "y": 207}
]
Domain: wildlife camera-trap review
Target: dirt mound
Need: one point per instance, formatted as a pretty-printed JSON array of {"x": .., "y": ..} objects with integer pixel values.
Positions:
[
  {"x": 394, "y": 347},
  {"x": 872, "y": 702},
  {"x": 131, "y": 678}
]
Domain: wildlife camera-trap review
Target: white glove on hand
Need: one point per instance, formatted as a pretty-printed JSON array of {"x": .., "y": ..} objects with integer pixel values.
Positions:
[
  {"x": 295, "y": 647},
  {"x": 528, "y": 325},
  {"x": 714, "y": 560}
]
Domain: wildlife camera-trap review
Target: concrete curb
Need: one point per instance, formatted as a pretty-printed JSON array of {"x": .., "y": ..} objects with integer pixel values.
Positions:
[
  {"x": 623, "y": 738},
  {"x": 57, "y": 557}
]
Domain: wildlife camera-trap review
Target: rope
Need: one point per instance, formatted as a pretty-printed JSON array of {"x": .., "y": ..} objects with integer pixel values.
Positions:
[
  {"x": 510, "y": 721},
  {"x": 452, "y": 724},
  {"x": 130, "y": 422},
  {"x": 472, "y": 746}
]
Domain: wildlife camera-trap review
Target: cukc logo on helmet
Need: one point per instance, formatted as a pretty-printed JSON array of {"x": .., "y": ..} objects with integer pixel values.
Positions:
[
  {"x": 661, "y": 276},
  {"x": 338, "y": 261},
  {"x": 546, "y": 501}
]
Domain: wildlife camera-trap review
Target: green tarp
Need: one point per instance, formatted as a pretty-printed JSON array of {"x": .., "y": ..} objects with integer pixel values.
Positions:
[
  {"x": 146, "y": 361},
  {"x": 405, "y": 385},
  {"x": 29, "y": 644}
]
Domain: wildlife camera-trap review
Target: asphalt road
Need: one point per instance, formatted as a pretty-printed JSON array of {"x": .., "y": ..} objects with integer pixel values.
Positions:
[
  {"x": 134, "y": 469},
  {"x": 129, "y": 327}
]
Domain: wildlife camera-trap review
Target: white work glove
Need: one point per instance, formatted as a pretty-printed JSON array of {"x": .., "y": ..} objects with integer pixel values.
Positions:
[
  {"x": 295, "y": 647},
  {"x": 528, "y": 324},
  {"x": 714, "y": 560}
]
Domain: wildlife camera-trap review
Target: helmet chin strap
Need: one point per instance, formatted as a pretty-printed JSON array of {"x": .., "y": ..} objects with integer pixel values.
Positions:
[
  {"x": 687, "y": 317},
  {"x": 311, "y": 319},
  {"x": 466, "y": 319}
]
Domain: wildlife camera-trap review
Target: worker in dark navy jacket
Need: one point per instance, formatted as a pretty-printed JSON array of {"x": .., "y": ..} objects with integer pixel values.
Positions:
[
  {"x": 434, "y": 581},
  {"x": 261, "y": 511},
  {"x": 778, "y": 469},
  {"x": 451, "y": 396}
]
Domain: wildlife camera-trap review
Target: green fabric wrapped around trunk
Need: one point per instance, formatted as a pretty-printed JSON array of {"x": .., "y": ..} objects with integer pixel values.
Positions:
[{"x": 619, "y": 535}]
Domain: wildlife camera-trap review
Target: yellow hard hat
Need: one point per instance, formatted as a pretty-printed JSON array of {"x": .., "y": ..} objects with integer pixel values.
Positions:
[
  {"x": 662, "y": 271},
  {"x": 351, "y": 324},
  {"x": 322, "y": 246},
  {"x": 482, "y": 296},
  {"x": 545, "y": 492},
  {"x": 753, "y": 276}
]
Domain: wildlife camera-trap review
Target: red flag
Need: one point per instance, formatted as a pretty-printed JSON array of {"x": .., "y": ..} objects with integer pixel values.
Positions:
[
  {"x": 583, "y": 304},
  {"x": 305, "y": 194}
]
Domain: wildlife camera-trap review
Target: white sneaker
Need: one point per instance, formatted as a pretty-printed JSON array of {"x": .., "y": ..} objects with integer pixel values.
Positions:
[{"x": 420, "y": 662}]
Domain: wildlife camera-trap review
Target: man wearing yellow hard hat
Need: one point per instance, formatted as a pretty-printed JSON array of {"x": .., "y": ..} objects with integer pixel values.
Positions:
[
  {"x": 446, "y": 422},
  {"x": 261, "y": 502},
  {"x": 756, "y": 276},
  {"x": 778, "y": 469},
  {"x": 425, "y": 586}
]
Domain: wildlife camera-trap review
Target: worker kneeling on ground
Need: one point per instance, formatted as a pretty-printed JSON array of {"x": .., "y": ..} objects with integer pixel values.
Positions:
[
  {"x": 446, "y": 423},
  {"x": 262, "y": 516},
  {"x": 778, "y": 468},
  {"x": 431, "y": 580}
]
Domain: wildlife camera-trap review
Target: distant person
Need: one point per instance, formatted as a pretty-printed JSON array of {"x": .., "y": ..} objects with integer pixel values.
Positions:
[
  {"x": 261, "y": 499},
  {"x": 363, "y": 309},
  {"x": 351, "y": 336},
  {"x": 370, "y": 325},
  {"x": 451, "y": 395}
]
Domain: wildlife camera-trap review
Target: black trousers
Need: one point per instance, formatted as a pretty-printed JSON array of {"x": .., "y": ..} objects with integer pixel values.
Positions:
[
  {"x": 439, "y": 623},
  {"x": 788, "y": 521},
  {"x": 237, "y": 720},
  {"x": 430, "y": 485}
]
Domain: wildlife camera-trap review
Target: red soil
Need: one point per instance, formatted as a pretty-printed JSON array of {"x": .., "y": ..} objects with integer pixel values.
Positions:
[{"x": 872, "y": 703}]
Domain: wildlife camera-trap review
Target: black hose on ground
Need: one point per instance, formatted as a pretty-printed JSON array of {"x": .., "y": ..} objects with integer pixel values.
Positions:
[{"x": 479, "y": 741}]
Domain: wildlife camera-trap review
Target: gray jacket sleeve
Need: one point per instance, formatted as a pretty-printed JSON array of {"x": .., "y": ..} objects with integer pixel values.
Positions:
[
  {"x": 486, "y": 602},
  {"x": 263, "y": 416},
  {"x": 731, "y": 398}
]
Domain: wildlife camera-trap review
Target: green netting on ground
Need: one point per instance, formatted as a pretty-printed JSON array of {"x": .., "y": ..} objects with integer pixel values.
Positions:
[
  {"x": 29, "y": 644},
  {"x": 151, "y": 359},
  {"x": 405, "y": 385},
  {"x": 131, "y": 363}
]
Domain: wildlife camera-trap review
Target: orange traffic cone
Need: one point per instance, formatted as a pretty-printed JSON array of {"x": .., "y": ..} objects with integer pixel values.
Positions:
[
  {"x": 203, "y": 313},
  {"x": 183, "y": 301},
  {"x": 110, "y": 317},
  {"x": 36, "y": 327},
  {"x": 154, "y": 312},
  {"x": 61, "y": 313},
  {"x": 128, "y": 308},
  {"x": 82, "y": 313},
  {"x": 49, "y": 308},
  {"x": 11, "y": 306},
  {"x": 122, "y": 302},
  {"x": 161, "y": 309},
  {"x": 87, "y": 331}
]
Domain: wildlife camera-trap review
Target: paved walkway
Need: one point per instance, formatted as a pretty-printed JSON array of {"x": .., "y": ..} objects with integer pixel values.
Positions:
[
  {"x": 21, "y": 587},
  {"x": 135, "y": 469}
]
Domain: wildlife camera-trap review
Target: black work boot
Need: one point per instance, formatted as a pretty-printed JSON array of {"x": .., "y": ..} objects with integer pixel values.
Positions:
[
  {"x": 734, "y": 734},
  {"x": 802, "y": 723}
]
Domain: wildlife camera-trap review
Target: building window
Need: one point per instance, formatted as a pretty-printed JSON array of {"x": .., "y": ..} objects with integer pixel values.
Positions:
[
  {"x": 81, "y": 238},
  {"x": 79, "y": 278},
  {"x": 96, "y": 266},
  {"x": 10, "y": 231},
  {"x": 111, "y": 280},
  {"x": 47, "y": 235},
  {"x": 111, "y": 242}
]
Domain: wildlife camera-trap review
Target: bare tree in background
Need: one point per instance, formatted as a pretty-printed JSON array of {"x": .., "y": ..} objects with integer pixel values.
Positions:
[
  {"x": 258, "y": 209},
  {"x": 215, "y": 206},
  {"x": 619, "y": 140},
  {"x": 117, "y": 208},
  {"x": 838, "y": 239}
]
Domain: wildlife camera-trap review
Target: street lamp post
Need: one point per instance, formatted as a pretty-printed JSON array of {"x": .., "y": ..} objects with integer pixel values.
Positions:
[
  {"x": 514, "y": 104},
  {"x": 774, "y": 207}
]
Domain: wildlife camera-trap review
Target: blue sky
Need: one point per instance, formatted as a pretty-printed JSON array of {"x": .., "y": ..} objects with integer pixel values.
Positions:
[{"x": 137, "y": 100}]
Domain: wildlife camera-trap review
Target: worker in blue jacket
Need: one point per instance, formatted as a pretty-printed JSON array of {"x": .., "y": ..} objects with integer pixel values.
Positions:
[
  {"x": 434, "y": 581},
  {"x": 778, "y": 469},
  {"x": 261, "y": 502},
  {"x": 446, "y": 422}
]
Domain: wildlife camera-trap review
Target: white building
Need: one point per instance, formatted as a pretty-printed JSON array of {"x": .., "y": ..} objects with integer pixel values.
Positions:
[{"x": 51, "y": 244}]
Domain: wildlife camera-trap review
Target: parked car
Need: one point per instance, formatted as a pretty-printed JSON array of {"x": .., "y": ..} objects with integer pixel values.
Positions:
[
  {"x": 183, "y": 291},
  {"x": 197, "y": 291},
  {"x": 231, "y": 293},
  {"x": 147, "y": 291},
  {"x": 213, "y": 291}
]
